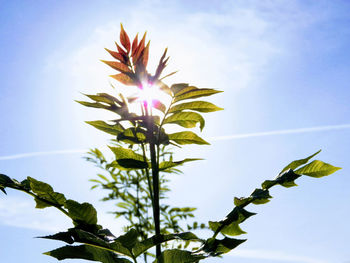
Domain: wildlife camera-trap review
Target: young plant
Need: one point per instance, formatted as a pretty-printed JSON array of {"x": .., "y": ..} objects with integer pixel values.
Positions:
[{"x": 140, "y": 139}]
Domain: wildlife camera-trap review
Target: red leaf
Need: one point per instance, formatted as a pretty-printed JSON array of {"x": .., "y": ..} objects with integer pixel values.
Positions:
[
  {"x": 117, "y": 66},
  {"x": 142, "y": 42},
  {"x": 161, "y": 65},
  {"x": 145, "y": 55},
  {"x": 139, "y": 49},
  {"x": 134, "y": 45},
  {"x": 124, "y": 79},
  {"x": 163, "y": 56},
  {"x": 121, "y": 50},
  {"x": 116, "y": 55},
  {"x": 124, "y": 39}
]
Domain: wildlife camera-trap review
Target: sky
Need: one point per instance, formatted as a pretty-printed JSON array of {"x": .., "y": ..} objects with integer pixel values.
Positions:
[{"x": 284, "y": 67}]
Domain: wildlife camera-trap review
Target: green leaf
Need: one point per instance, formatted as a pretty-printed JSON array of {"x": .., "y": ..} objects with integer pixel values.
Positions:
[
  {"x": 39, "y": 187},
  {"x": 317, "y": 169},
  {"x": 86, "y": 252},
  {"x": 61, "y": 236},
  {"x": 40, "y": 204},
  {"x": 103, "y": 126},
  {"x": 122, "y": 153},
  {"x": 295, "y": 164},
  {"x": 186, "y": 236},
  {"x": 285, "y": 179},
  {"x": 128, "y": 158},
  {"x": 141, "y": 247},
  {"x": 185, "y": 90},
  {"x": 170, "y": 74},
  {"x": 230, "y": 225},
  {"x": 163, "y": 87},
  {"x": 103, "y": 177},
  {"x": 201, "y": 106},
  {"x": 232, "y": 229},
  {"x": 88, "y": 238},
  {"x": 81, "y": 213},
  {"x": 227, "y": 244},
  {"x": 45, "y": 192},
  {"x": 132, "y": 136},
  {"x": 268, "y": 183},
  {"x": 163, "y": 166},
  {"x": 93, "y": 104},
  {"x": 186, "y": 137},
  {"x": 260, "y": 196},
  {"x": 194, "y": 93},
  {"x": 129, "y": 239},
  {"x": 116, "y": 165},
  {"x": 175, "y": 88},
  {"x": 186, "y": 119},
  {"x": 100, "y": 240},
  {"x": 123, "y": 205},
  {"x": 178, "y": 256},
  {"x": 124, "y": 244},
  {"x": 242, "y": 201},
  {"x": 5, "y": 181},
  {"x": 104, "y": 98},
  {"x": 132, "y": 163},
  {"x": 215, "y": 247}
]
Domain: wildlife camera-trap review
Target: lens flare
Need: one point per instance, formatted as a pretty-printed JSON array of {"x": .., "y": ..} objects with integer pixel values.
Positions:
[
  {"x": 151, "y": 95},
  {"x": 148, "y": 93}
]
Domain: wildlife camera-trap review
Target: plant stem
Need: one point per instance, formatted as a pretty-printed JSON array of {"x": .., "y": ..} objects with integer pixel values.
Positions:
[
  {"x": 156, "y": 210},
  {"x": 155, "y": 177},
  {"x": 147, "y": 174}
]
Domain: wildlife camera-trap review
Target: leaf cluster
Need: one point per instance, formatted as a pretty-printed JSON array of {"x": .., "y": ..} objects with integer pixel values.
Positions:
[
  {"x": 130, "y": 189},
  {"x": 230, "y": 225}
]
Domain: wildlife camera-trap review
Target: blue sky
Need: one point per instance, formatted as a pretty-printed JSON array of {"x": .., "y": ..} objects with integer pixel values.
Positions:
[{"x": 283, "y": 65}]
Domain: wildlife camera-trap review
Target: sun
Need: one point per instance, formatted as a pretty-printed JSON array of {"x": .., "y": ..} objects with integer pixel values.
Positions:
[
  {"x": 152, "y": 94},
  {"x": 149, "y": 92}
]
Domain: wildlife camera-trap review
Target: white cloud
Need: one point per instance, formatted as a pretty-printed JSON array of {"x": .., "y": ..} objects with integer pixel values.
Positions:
[
  {"x": 210, "y": 48},
  {"x": 20, "y": 212}
]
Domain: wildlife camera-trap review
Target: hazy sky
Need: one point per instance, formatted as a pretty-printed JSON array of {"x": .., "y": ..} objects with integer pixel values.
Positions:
[{"x": 284, "y": 67}]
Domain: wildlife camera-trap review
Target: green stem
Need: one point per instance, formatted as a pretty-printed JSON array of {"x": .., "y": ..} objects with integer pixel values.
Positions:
[
  {"x": 147, "y": 173},
  {"x": 156, "y": 210},
  {"x": 155, "y": 178},
  {"x": 134, "y": 259}
]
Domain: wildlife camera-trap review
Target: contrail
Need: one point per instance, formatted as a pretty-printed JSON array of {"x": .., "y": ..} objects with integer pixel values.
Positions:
[
  {"x": 280, "y": 132},
  {"x": 216, "y": 138},
  {"x": 34, "y": 154}
]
